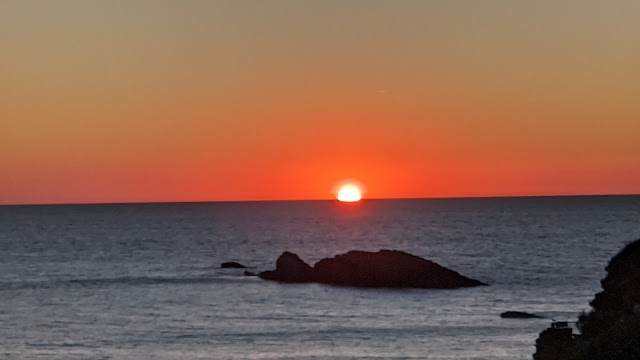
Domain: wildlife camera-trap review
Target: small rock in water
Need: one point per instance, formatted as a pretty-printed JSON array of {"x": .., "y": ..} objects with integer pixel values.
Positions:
[
  {"x": 519, "y": 315},
  {"x": 249, "y": 273},
  {"x": 232, "y": 265}
]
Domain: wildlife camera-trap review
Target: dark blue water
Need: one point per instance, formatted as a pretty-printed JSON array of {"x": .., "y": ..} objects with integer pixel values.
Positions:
[{"x": 142, "y": 281}]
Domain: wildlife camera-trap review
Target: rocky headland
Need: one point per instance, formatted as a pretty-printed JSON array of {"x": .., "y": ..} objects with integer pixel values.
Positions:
[
  {"x": 382, "y": 269},
  {"x": 612, "y": 329}
]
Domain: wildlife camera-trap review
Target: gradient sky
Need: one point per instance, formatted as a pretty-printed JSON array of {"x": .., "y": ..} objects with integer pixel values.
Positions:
[{"x": 119, "y": 101}]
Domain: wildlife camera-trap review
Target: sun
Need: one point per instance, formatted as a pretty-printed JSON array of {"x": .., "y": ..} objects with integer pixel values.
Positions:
[{"x": 349, "y": 193}]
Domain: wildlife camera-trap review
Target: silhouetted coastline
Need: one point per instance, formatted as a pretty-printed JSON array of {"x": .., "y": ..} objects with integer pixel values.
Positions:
[{"x": 612, "y": 329}]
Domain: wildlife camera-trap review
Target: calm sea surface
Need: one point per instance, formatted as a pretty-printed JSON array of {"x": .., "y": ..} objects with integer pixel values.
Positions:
[{"x": 143, "y": 281}]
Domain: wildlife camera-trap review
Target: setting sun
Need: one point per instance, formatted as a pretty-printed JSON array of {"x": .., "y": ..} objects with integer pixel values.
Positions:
[{"x": 349, "y": 193}]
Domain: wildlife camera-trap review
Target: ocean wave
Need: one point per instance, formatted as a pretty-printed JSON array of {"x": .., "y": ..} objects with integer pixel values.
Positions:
[
  {"x": 115, "y": 281},
  {"x": 62, "y": 345}
]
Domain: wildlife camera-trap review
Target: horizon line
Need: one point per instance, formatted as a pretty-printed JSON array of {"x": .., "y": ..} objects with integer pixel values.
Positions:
[{"x": 326, "y": 199}]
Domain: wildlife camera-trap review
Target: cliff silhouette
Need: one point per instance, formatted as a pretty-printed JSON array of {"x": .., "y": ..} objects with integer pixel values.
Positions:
[{"x": 611, "y": 331}]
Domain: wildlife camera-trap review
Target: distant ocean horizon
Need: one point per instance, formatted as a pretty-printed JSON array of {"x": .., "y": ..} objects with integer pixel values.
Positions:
[
  {"x": 125, "y": 202},
  {"x": 143, "y": 280}
]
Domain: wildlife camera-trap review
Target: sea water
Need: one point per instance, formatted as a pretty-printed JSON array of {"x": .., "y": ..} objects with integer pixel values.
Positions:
[{"x": 143, "y": 281}]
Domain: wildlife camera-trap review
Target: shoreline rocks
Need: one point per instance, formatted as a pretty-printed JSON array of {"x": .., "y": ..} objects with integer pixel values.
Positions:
[
  {"x": 382, "y": 269},
  {"x": 612, "y": 329}
]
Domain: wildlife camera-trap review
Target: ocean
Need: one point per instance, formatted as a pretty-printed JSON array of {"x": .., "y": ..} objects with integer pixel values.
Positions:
[{"x": 143, "y": 281}]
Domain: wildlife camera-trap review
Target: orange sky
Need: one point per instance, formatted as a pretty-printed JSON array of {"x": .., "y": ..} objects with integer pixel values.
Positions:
[{"x": 120, "y": 101}]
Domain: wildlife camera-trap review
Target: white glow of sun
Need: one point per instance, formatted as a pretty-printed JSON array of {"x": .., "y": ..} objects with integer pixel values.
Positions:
[{"x": 349, "y": 193}]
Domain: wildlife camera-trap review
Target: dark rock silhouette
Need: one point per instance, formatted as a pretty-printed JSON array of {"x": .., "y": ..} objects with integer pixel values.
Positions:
[
  {"x": 519, "y": 315},
  {"x": 232, "y": 265},
  {"x": 621, "y": 290},
  {"x": 612, "y": 329},
  {"x": 382, "y": 269},
  {"x": 249, "y": 273},
  {"x": 289, "y": 268},
  {"x": 554, "y": 342}
]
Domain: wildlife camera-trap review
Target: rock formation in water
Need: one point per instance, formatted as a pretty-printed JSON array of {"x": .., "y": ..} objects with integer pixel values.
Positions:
[
  {"x": 519, "y": 315},
  {"x": 612, "y": 329},
  {"x": 382, "y": 269},
  {"x": 232, "y": 265},
  {"x": 289, "y": 268}
]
